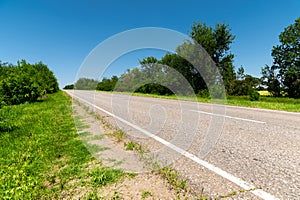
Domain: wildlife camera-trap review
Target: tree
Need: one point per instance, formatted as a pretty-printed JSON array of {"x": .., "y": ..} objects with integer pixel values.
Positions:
[
  {"x": 269, "y": 79},
  {"x": 86, "y": 84},
  {"x": 69, "y": 87},
  {"x": 217, "y": 43},
  {"x": 245, "y": 86},
  {"x": 286, "y": 64},
  {"x": 240, "y": 73},
  {"x": 186, "y": 69},
  {"x": 46, "y": 78},
  {"x": 107, "y": 84}
]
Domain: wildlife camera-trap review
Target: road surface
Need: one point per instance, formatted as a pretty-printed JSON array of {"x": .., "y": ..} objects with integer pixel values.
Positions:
[{"x": 223, "y": 149}]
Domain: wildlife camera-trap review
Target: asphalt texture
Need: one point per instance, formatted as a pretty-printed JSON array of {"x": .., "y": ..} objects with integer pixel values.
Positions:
[{"x": 259, "y": 147}]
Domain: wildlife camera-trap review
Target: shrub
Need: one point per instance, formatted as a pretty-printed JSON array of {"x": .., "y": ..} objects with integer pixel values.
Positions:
[
  {"x": 69, "y": 87},
  {"x": 25, "y": 82},
  {"x": 254, "y": 96}
]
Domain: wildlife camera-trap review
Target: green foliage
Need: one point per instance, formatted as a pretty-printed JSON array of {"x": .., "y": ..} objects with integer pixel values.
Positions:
[
  {"x": 284, "y": 75},
  {"x": 269, "y": 79},
  {"x": 132, "y": 146},
  {"x": 244, "y": 86},
  {"x": 69, "y": 87},
  {"x": 204, "y": 93},
  {"x": 173, "y": 178},
  {"x": 45, "y": 77},
  {"x": 217, "y": 43},
  {"x": 185, "y": 68},
  {"x": 119, "y": 135},
  {"x": 103, "y": 176},
  {"x": 41, "y": 155},
  {"x": 25, "y": 82},
  {"x": 175, "y": 75},
  {"x": 254, "y": 96},
  {"x": 240, "y": 74},
  {"x": 107, "y": 84},
  {"x": 7, "y": 120},
  {"x": 146, "y": 194},
  {"x": 86, "y": 84}
]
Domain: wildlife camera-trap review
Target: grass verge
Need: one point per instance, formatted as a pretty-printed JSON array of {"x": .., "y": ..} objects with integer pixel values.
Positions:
[
  {"x": 266, "y": 102},
  {"x": 42, "y": 156}
]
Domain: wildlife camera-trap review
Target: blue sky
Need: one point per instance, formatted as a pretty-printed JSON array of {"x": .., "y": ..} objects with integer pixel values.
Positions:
[{"x": 61, "y": 33}]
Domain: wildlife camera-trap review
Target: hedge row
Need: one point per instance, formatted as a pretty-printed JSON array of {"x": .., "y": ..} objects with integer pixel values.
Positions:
[{"x": 25, "y": 82}]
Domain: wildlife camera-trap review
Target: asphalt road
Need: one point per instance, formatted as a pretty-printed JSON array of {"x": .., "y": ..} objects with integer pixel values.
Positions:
[{"x": 219, "y": 148}]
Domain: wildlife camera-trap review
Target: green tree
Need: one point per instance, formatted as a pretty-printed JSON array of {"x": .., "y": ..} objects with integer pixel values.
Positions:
[
  {"x": 217, "y": 43},
  {"x": 246, "y": 86},
  {"x": 240, "y": 73},
  {"x": 25, "y": 82},
  {"x": 86, "y": 84},
  {"x": 46, "y": 78},
  {"x": 269, "y": 79},
  {"x": 69, "y": 87},
  {"x": 185, "y": 68},
  {"x": 20, "y": 85},
  {"x": 107, "y": 84},
  {"x": 286, "y": 64}
]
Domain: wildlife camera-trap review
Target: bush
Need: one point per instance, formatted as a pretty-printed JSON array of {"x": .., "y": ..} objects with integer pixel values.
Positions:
[
  {"x": 86, "y": 84},
  {"x": 204, "y": 93},
  {"x": 254, "y": 96},
  {"x": 25, "y": 83},
  {"x": 69, "y": 87},
  {"x": 217, "y": 92}
]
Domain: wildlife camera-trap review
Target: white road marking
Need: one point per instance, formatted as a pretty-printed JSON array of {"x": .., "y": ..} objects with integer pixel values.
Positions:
[
  {"x": 243, "y": 184},
  {"x": 230, "y": 117}
]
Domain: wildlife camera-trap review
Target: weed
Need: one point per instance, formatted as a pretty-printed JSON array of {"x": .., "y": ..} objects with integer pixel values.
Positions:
[
  {"x": 116, "y": 196},
  {"x": 173, "y": 178},
  {"x": 119, "y": 135},
  {"x": 132, "y": 146},
  {"x": 92, "y": 196},
  {"x": 233, "y": 193},
  {"x": 146, "y": 194},
  {"x": 103, "y": 176},
  {"x": 201, "y": 196}
]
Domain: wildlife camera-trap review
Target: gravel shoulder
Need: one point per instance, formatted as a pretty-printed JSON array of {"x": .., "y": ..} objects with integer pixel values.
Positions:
[{"x": 95, "y": 134}]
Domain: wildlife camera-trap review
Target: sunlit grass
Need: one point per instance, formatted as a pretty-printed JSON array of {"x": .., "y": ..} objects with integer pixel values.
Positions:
[
  {"x": 266, "y": 102},
  {"x": 41, "y": 155}
]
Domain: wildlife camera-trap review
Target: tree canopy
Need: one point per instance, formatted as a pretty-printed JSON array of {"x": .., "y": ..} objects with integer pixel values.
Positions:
[
  {"x": 283, "y": 77},
  {"x": 216, "y": 41},
  {"x": 173, "y": 69},
  {"x": 86, "y": 84}
]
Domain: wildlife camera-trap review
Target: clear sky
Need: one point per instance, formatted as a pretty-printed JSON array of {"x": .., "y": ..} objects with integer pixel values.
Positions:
[{"x": 61, "y": 33}]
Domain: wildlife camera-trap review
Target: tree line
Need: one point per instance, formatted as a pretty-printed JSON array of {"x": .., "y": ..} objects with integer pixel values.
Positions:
[
  {"x": 25, "y": 82},
  {"x": 172, "y": 72}
]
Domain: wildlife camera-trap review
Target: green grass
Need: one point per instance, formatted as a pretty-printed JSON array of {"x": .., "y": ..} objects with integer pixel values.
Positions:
[
  {"x": 146, "y": 194},
  {"x": 119, "y": 135},
  {"x": 274, "y": 103},
  {"x": 266, "y": 102},
  {"x": 42, "y": 156},
  {"x": 133, "y": 146},
  {"x": 174, "y": 179}
]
